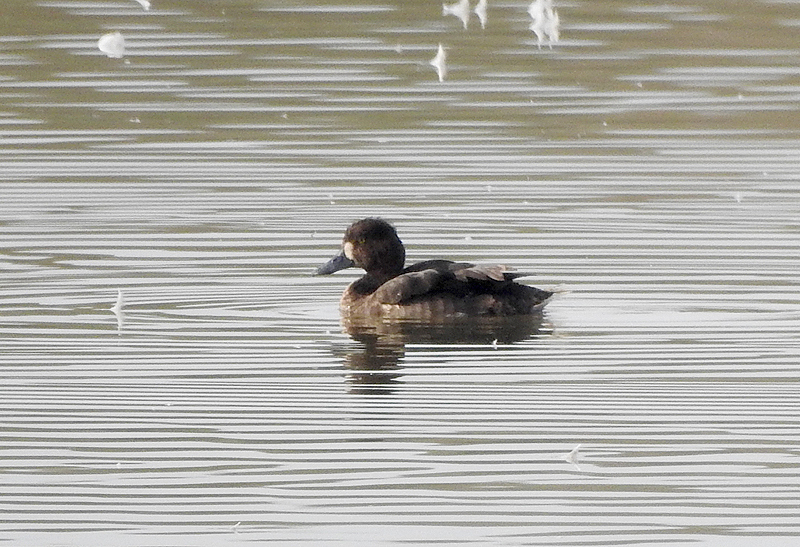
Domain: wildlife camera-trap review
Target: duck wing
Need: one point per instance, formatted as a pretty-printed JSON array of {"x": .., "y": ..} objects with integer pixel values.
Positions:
[
  {"x": 483, "y": 272},
  {"x": 443, "y": 276},
  {"x": 406, "y": 286}
]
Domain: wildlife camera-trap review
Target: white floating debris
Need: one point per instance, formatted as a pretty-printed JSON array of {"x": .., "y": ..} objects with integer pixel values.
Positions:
[
  {"x": 553, "y": 28},
  {"x": 112, "y": 44},
  {"x": 145, "y": 4},
  {"x": 480, "y": 11},
  {"x": 536, "y": 9},
  {"x": 460, "y": 9},
  {"x": 545, "y": 22},
  {"x": 117, "y": 309},
  {"x": 440, "y": 63},
  {"x": 572, "y": 457}
]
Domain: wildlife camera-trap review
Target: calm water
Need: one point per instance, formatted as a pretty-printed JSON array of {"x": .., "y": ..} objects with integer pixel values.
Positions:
[{"x": 647, "y": 166}]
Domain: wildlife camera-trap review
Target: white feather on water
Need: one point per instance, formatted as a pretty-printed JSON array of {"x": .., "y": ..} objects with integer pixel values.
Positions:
[
  {"x": 112, "y": 44},
  {"x": 460, "y": 9},
  {"x": 545, "y": 22},
  {"x": 572, "y": 457},
  {"x": 440, "y": 63},
  {"x": 117, "y": 309},
  {"x": 480, "y": 11}
]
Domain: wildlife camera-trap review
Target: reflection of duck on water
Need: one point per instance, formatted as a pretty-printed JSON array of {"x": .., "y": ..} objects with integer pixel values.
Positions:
[
  {"x": 375, "y": 365},
  {"x": 434, "y": 302}
]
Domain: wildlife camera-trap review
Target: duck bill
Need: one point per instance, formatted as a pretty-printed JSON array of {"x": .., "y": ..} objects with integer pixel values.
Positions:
[{"x": 338, "y": 262}]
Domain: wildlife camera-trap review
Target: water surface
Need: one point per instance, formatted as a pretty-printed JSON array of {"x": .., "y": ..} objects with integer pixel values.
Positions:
[{"x": 646, "y": 167}]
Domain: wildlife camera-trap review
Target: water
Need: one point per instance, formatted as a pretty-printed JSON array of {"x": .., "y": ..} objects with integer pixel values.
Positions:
[{"x": 646, "y": 167}]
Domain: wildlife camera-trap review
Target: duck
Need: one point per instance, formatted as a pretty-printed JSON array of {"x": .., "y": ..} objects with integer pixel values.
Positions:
[{"x": 432, "y": 290}]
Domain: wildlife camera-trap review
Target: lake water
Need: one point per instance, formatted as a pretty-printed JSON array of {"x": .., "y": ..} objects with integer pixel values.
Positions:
[{"x": 646, "y": 167}]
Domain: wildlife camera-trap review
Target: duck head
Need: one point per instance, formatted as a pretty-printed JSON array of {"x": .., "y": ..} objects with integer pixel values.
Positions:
[{"x": 371, "y": 244}]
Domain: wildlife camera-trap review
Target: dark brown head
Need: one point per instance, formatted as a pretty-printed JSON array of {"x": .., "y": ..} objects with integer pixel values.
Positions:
[{"x": 371, "y": 244}]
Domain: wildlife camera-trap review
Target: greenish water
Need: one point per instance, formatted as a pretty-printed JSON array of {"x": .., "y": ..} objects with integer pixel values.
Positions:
[{"x": 646, "y": 167}]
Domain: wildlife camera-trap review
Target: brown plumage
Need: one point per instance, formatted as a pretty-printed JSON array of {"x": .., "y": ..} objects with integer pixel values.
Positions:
[{"x": 432, "y": 290}]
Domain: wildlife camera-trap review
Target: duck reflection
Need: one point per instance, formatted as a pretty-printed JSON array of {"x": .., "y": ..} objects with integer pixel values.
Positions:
[{"x": 375, "y": 365}]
